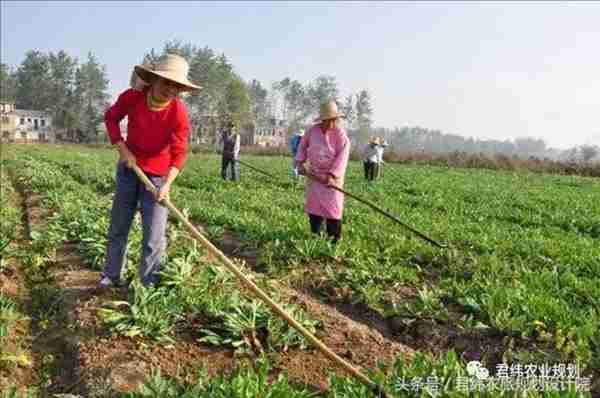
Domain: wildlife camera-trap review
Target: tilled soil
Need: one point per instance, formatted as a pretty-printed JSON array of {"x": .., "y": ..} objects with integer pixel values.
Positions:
[
  {"x": 382, "y": 338},
  {"x": 12, "y": 284}
]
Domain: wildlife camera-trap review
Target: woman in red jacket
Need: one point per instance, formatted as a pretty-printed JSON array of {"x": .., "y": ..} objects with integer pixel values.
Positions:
[{"x": 157, "y": 136}]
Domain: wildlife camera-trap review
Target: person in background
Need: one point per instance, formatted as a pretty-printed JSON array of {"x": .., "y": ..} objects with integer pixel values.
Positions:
[
  {"x": 229, "y": 147},
  {"x": 371, "y": 159},
  {"x": 157, "y": 135},
  {"x": 294, "y": 144},
  {"x": 326, "y": 148},
  {"x": 381, "y": 145}
]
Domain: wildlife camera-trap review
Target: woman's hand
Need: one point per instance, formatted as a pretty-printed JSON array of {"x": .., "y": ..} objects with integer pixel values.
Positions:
[
  {"x": 125, "y": 155},
  {"x": 162, "y": 193},
  {"x": 301, "y": 169},
  {"x": 331, "y": 181}
]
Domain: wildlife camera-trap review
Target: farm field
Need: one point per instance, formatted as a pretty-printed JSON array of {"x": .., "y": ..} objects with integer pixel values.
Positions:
[{"x": 518, "y": 290}]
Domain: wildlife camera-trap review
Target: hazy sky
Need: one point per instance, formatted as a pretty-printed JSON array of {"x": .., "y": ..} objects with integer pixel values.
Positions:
[{"x": 490, "y": 70}]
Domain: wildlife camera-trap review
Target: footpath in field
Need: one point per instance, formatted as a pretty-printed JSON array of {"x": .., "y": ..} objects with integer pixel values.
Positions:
[{"x": 16, "y": 357}]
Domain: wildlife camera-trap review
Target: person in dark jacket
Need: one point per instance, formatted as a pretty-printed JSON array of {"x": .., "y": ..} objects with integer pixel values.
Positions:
[{"x": 229, "y": 147}]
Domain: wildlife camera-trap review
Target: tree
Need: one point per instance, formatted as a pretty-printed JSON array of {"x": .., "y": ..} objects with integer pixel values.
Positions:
[
  {"x": 213, "y": 73},
  {"x": 8, "y": 84},
  {"x": 349, "y": 112},
  {"x": 323, "y": 89},
  {"x": 220, "y": 85},
  {"x": 589, "y": 152},
  {"x": 281, "y": 88},
  {"x": 62, "y": 79},
  {"x": 33, "y": 82},
  {"x": 529, "y": 146},
  {"x": 296, "y": 104},
  {"x": 364, "y": 112},
  {"x": 299, "y": 106},
  {"x": 236, "y": 104},
  {"x": 258, "y": 97},
  {"x": 186, "y": 50},
  {"x": 90, "y": 97}
]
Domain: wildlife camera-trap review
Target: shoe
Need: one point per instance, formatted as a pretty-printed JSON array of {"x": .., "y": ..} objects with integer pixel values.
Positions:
[{"x": 106, "y": 283}]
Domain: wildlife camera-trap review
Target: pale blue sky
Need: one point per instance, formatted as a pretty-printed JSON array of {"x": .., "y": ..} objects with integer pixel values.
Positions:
[{"x": 490, "y": 70}]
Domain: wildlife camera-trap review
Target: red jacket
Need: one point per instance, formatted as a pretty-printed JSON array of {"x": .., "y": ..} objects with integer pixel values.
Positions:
[{"x": 158, "y": 140}]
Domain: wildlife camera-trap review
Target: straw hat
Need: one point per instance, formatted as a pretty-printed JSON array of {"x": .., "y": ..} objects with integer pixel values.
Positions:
[
  {"x": 328, "y": 111},
  {"x": 171, "y": 67}
]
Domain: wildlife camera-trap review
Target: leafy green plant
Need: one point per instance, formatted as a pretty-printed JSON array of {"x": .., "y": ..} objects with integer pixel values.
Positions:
[
  {"x": 11, "y": 354},
  {"x": 14, "y": 392},
  {"x": 8, "y": 315},
  {"x": 244, "y": 382},
  {"x": 151, "y": 314}
]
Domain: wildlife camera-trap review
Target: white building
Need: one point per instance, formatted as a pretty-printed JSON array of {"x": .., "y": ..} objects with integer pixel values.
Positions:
[{"x": 21, "y": 125}]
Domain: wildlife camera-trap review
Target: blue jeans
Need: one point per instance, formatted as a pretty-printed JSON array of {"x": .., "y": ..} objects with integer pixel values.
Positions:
[{"x": 131, "y": 191}]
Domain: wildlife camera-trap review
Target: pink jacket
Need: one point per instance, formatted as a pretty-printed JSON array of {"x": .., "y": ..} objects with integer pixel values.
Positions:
[{"x": 328, "y": 155}]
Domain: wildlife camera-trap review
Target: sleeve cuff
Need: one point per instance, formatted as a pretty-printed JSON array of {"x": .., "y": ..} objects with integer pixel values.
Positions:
[{"x": 178, "y": 164}]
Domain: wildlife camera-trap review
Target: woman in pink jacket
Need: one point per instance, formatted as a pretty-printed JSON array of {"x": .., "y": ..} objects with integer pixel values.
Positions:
[{"x": 326, "y": 148}]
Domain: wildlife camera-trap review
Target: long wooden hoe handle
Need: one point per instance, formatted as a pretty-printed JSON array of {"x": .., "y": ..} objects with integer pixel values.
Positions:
[
  {"x": 262, "y": 295},
  {"x": 363, "y": 201}
]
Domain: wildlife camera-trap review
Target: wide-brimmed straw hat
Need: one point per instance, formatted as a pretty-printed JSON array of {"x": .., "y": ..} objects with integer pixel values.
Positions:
[
  {"x": 171, "y": 67},
  {"x": 328, "y": 111}
]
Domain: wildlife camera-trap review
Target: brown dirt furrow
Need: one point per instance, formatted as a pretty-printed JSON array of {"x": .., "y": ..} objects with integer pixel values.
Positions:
[
  {"x": 360, "y": 341},
  {"x": 12, "y": 285},
  {"x": 362, "y": 335},
  {"x": 76, "y": 353}
]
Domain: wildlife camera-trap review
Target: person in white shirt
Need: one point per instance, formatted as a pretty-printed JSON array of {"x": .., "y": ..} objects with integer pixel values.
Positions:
[
  {"x": 371, "y": 159},
  {"x": 380, "y": 147}
]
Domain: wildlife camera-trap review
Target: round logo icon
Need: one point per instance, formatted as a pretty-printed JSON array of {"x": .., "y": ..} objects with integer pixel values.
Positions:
[
  {"x": 483, "y": 373},
  {"x": 474, "y": 368}
]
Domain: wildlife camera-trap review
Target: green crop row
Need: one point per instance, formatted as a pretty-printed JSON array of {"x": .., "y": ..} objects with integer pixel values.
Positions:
[{"x": 525, "y": 256}]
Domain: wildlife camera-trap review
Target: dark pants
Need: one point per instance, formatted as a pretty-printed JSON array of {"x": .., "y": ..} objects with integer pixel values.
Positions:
[
  {"x": 371, "y": 170},
  {"x": 233, "y": 166},
  {"x": 334, "y": 227},
  {"x": 130, "y": 192}
]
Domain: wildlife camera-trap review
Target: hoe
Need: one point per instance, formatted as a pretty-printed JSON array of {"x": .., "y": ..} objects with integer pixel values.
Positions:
[{"x": 375, "y": 388}]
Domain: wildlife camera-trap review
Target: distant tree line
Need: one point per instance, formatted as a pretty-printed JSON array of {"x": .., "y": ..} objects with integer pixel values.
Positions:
[
  {"x": 76, "y": 95},
  {"x": 422, "y": 140},
  {"x": 298, "y": 104}
]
